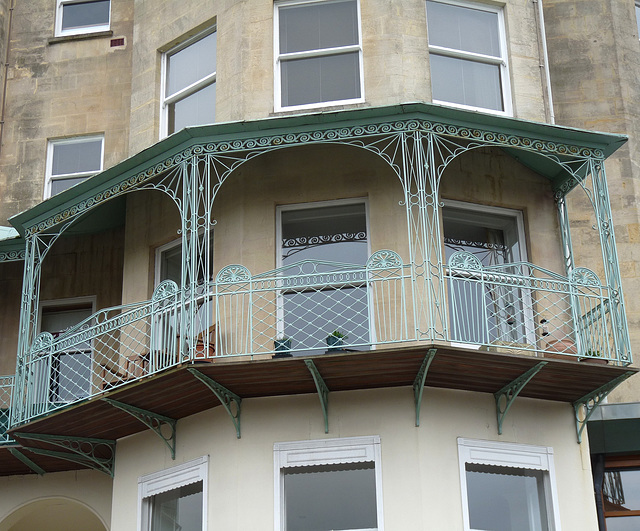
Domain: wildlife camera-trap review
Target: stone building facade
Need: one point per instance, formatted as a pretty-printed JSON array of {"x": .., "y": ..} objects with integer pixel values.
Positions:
[{"x": 437, "y": 167}]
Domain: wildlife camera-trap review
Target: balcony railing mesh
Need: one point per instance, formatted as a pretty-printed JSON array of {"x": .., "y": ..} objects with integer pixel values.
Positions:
[
  {"x": 314, "y": 307},
  {"x": 6, "y": 392}
]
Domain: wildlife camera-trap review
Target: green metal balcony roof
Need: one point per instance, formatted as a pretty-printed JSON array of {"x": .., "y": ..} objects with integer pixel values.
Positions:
[{"x": 256, "y": 129}]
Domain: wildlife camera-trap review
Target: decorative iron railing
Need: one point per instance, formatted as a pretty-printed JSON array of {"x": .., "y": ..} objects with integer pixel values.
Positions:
[
  {"x": 6, "y": 392},
  {"x": 522, "y": 307},
  {"x": 313, "y": 307}
]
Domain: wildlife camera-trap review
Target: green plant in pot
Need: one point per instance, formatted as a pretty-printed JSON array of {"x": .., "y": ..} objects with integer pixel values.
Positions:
[
  {"x": 282, "y": 346},
  {"x": 594, "y": 356},
  {"x": 335, "y": 340}
]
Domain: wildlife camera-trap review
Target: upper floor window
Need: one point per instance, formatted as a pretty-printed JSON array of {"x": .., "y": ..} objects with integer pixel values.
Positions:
[
  {"x": 468, "y": 56},
  {"x": 72, "y": 160},
  {"x": 75, "y": 17},
  {"x": 318, "y": 53},
  {"x": 189, "y": 83},
  {"x": 638, "y": 16}
]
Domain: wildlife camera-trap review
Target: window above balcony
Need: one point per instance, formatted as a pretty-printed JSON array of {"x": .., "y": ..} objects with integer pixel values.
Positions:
[
  {"x": 468, "y": 55},
  {"x": 318, "y": 54},
  {"x": 189, "y": 83}
]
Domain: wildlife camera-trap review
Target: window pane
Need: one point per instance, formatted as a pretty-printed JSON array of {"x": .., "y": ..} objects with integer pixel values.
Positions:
[
  {"x": 310, "y": 316},
  {"x": 316, "y": 26},
  {"x": 504, "y": 498},
  {"x": 316, "y": 306},
  {"x": 83, "y": 14},
  {"x": 171, "y": 264},
  {"x": 59, "y": 185},
  {"x": 326, "y": 497},
  {"x": 623, "y": 523},
  {"x": 462, "y": 28},
  {"x": 178, "y": 509},
  {"x": 334, "y": 233},
  {"x": 621, "y": 490},
  {"x": 191, "y": 64},
  {"x": 317, "y": 79},
  {"x": 466, "y": 82},
  {"x": 197, "y": 109},
  {"x": 638, "y": 18},
  {"x": 484, "y": 312},
  {"x": 76, "y": 157},
  {"x": 72, "y": 376}
]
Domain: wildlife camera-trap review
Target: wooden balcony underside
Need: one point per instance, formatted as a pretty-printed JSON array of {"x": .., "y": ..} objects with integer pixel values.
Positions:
[{"x": 177, "y": 393}]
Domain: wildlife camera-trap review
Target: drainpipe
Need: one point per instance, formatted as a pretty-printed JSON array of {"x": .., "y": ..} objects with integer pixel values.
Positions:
[
  {"x": 6, "y": 72},
  {"x": 545, "y": 60}
]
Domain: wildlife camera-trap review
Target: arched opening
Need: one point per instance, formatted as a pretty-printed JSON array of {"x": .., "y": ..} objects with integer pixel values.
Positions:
[{"x": 53, "y": 514}]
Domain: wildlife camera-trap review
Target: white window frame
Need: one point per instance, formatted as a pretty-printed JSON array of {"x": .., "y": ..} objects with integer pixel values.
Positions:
[
  {"x": 502, "y": 61},
  {"x": 167, "y": 100},
  {"x": 59, "y": 32},
  {"x": 324, "y": 52},
  {"x": 158, "y": 258},
  {"x": 515, "y": 455},
  {"x": 170, "y": 479},
  {"x": 325, "y": 452},
  {"x": 49, "y": 177},
  {"x": 280, "y": 319}
]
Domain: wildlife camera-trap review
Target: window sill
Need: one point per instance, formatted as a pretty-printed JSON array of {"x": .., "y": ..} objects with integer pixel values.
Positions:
[
  {"x": 328, "y": 107},
  {"x": 80, "y": 37}
]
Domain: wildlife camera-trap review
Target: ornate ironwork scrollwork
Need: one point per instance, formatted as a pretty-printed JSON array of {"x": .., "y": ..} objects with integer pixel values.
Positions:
[
  {"x": 233, "y": 273},
  {"x": 43, "y": 341},
  {"x": 384, "y": 259},
  {"x": 464, "y": 260},
  {"x": 166, "y": 288},
  {"x": 584, "y": 277}
]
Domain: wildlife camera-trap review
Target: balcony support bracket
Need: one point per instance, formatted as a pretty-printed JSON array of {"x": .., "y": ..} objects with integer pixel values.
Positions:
[
  {"x": 230, "y": 401},
  {"x": 157, "y": 423},
  {"x": 585, "y": 406},
  {"x": 506, "y": 396},
  {"x": 323, "y": 391},
  {"x": 418, "y": 383},
  {"x": 21, "y": 457},
  {"x": 98, "y": 454}
]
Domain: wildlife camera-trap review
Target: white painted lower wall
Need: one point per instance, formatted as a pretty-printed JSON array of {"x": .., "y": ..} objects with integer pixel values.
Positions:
[{"x": 420, "y": 467}]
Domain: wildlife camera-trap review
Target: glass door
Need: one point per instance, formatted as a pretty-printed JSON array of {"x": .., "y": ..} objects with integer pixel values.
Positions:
[
  {"x": 323, "y": 251},
  {"x": 487, "y": 308}
]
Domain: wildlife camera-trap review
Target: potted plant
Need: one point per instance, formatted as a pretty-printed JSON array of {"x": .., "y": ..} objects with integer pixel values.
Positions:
[
  {"x": 282, "y": 346},
  {"x": 335, "y": 340},
  {"x": 594, "y": 356}
]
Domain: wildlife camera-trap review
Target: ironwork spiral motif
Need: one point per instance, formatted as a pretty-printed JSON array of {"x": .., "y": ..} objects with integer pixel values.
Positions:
[
  {"x": 233, "y": 273},
  {"x": 329, "y": 238},
  {"x": 584, "y": 277},
  {"x": 383, "y": 259},
  {"x": 164, "y": 289},
  {"x": 43, "y": 341},
  {"x": 12, "y": 255},
  {"x": 336, "y": 134},
  {"x": 464, "y": 260}
]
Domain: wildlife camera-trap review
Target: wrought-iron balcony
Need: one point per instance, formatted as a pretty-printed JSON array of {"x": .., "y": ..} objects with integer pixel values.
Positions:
[
  {"x": 6, "y": 391},
  {"x": 317, "y": 307},
  {"x": 436, "y": 317}
]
